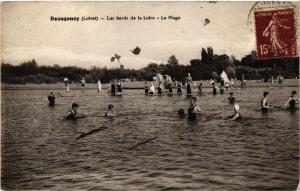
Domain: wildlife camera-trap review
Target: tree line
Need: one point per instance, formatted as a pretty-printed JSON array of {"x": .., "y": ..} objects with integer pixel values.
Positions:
[{"x": 207, "y": 66}]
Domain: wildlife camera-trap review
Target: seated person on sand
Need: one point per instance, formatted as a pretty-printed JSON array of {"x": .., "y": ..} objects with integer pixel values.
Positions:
[
  {"x": 231, "y": 98},
  {"x": 110, "y": 112},
  {"x": 237, "y": 115},
  {"x": 194, "y": 108},
  {"x": 291, "y": 103}
]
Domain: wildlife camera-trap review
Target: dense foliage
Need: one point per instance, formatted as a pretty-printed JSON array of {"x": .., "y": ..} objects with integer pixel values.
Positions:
[{"x": 208, "y": 66}]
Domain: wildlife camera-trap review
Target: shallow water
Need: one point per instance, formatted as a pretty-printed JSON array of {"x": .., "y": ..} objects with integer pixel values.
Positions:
[{"x": 40, "y": 150}]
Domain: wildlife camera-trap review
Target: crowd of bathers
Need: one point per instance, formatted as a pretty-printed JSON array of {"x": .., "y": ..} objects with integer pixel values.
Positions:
[{"x": 115, "y": 88}]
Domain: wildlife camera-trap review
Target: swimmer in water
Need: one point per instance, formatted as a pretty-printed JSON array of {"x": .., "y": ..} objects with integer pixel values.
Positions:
[
  {"x": 291, "y": 103},
  {"x": 51, "y": 99},
  {"x": 264, "y": 103},
  {"x": 71, "y": 114},
  {"x": 194, "y": 108},
  {"x": 237, "y": 115},
  {"x": 231, "y": 98},
  {"x": 180, "y": 112},
  {"x": 110, "y": 112}
]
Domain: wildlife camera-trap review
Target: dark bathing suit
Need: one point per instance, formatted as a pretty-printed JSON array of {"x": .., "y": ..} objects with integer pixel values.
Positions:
[
  {"x": 188, "y": 89},
  {"x": 146, "y": 90},
  {"x": 51, "y": 100},
  {"x": 231, "y": 100},
  {"x": 119, "y": 88},
  {"x": 113, "y": 89},
  {"x": 191, "y": 112},
  {"x": 71, "y": 115},
  {"x": 292, "y": 103},
  {"x": 159, "y": 92}
]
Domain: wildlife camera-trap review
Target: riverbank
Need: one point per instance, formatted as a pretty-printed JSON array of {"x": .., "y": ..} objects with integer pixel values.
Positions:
[{"x": 132, "y": 85}]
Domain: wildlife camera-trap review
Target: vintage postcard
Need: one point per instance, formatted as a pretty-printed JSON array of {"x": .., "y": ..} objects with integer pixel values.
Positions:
[{"x": 134, "y": 96}]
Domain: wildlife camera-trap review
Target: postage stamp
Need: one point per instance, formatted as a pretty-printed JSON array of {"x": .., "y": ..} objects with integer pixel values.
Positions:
[{"x": 276, "y": 34}]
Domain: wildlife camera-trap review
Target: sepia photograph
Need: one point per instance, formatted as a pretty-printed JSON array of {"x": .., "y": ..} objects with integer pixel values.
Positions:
[{"x": 150, "y": 95}]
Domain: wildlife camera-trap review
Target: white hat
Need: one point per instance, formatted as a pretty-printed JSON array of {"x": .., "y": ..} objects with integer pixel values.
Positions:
[{"x": 236, "y": 107}]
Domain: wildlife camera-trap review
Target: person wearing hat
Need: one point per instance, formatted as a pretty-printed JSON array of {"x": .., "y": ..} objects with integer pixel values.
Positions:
[
  {"x": 264, "y": 102},
  {"x": 237, "y": 115}
]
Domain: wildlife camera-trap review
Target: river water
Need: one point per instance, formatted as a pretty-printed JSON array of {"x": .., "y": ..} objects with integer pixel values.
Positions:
[{"x": 40, "y": 150}]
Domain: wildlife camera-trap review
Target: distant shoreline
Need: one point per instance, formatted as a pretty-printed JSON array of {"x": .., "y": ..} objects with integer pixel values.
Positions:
[{"x": 133, "y": 85}]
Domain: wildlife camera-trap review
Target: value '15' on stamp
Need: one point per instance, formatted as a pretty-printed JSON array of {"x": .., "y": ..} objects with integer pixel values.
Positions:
[{"x": 275, "y": 33}]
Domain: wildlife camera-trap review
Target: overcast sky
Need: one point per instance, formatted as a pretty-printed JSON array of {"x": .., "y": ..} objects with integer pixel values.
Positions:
[{"x": 28, "y": 33}]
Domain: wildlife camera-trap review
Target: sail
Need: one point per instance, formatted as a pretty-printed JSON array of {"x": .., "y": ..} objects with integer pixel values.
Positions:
[{"x": 225, "y": 77}]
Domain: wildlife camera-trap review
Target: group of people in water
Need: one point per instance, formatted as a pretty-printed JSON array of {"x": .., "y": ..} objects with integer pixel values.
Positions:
[{"x": 115, "y": 88}]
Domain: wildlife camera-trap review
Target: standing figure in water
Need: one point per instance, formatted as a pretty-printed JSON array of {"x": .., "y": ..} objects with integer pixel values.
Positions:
[
  {"x": 66, "y": 81},
  {"x": 110, "y": 112},
  {"x": 200, "y": 88},
  {"x": 99, "y": 86},
  {"x": 214, "y": 89},
  {"x": 179, "y": 88},
  {"x": 170, "y": 89},
  {"x": 146, "y": 88},
  {"x": 51, "y": 99},
  {"x": 119, "y": 87},
  {"x": 237, "y": 115},
  {"x": 113, "y": 88},
  {"x": 291, "y": 103},
  {"x": 194, "y": 108},
  {"x": 188, "y": 89},
  {"x": 159, "y": 89},
  {"x": 231, "y": 98},
  {"x": 83, "y": 82},
  {"x": 264, "y": 102}
]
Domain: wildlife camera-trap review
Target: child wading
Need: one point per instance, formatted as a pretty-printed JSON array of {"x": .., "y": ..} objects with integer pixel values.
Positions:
[
  {"x": 194, "y": 108},
  {"x": 291, "y": 103},
  {"x": 71, "y": 114},
  {"x": 110, "y": 112}
]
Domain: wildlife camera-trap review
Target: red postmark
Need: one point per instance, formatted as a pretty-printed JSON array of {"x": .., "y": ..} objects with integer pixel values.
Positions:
[{"x": 275, "y": 33}]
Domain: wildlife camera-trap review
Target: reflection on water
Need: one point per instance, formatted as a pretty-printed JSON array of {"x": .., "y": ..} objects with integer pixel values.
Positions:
[{"x": 40, "y": 150}]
